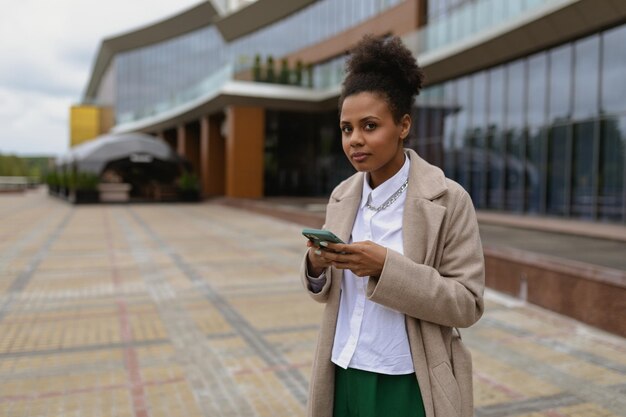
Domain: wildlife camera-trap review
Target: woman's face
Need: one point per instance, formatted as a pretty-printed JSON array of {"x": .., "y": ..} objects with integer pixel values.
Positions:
[{"x": 371, "y": 139}]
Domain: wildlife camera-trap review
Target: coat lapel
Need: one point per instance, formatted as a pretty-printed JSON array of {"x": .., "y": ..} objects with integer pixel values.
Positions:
[
  {"x": 422, "y": 218},
  {"x": 341, "y": 212}
]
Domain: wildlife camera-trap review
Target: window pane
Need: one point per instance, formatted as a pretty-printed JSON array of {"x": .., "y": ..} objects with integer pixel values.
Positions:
[
  {"x": 612, "y": 161},
  {"x": 613, "y": 64},
  {"x": 535, "y": 185},
  {"x": 537, "y": 84},
  {"x": 560, "y": 84},
  {"x": 495, "y": 139},
  {"x": 557, "y": 177},
  {"x": 449, "y": 128},
  {"x": 515, "y": 145},
  {"x": 434, "y": 151},
  {"x": 476, "y": 142},
  {"x": 462, "y": 132},
  {"x": 587, "y": 56},
  {"x": 582, "y": 170}
]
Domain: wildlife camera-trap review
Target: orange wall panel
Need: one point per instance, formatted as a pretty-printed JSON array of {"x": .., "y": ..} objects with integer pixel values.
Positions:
[{"x": 245, "y": 152}]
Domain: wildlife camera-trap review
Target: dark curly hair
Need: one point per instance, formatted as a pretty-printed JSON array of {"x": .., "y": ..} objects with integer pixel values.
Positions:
[{"x": 386, "y": 67}]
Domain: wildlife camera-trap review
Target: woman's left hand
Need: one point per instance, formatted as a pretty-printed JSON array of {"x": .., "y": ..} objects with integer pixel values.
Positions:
[{"x": 362, "y": 258}]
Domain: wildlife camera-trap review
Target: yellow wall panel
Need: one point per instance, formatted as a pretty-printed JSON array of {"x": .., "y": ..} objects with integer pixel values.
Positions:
[{"x": 87, "y": 122}]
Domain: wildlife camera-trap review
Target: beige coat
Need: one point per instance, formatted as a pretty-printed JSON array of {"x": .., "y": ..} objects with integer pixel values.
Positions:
[{"x": 438, "y": 284}]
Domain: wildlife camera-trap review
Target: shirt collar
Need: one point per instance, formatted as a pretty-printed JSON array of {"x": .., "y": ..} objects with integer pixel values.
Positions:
[{"x": 380, "y": 194}]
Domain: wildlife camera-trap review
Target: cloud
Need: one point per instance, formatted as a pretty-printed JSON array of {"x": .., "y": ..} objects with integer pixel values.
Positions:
[
  {"x": 33, "y": 123},
  {"x": 47, "y": 49}
]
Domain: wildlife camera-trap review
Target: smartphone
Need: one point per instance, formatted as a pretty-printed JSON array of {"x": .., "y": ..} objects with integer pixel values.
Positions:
[{"x": 318, "y": 235}]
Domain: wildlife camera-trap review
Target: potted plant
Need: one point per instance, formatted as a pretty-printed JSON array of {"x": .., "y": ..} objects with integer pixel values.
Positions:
[
  {"x": 189, "y": 186},
  {"x": 86, "y": 188},
  {"x": 270, "y": 74},
  {"x": 298, "y": 73},
  {"x": 52, "y": 180},
  {"x": 309, "y": 74},
  {"x": 283, "y": 77},
  {"x": 256, "y": 68}
]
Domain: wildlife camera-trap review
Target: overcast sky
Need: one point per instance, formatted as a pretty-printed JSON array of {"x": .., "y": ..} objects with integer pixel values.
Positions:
[{"x": 47, "y": 49}]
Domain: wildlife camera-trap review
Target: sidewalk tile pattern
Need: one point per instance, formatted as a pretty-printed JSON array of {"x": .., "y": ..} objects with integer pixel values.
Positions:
[{"x": 197, "y": 310}]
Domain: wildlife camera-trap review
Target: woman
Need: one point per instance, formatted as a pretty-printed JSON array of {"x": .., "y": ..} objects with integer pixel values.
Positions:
[{"x": 412, "y": 271}]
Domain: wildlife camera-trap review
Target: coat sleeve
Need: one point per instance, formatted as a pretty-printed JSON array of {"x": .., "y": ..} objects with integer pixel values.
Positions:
[
  {"x": 322, "y": 295},
  {"x": 452, "y": 294}
]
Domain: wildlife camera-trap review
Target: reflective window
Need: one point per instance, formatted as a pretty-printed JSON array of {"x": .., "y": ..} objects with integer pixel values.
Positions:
[
  {"x": 529, "y": 135},
  {"x": 535, "y": 168},
  {"x": 288, "y": 165},
  {"x": 613, "y": 67},
  {"x": 537, "y": 89},
  {"x": 558, "y": 138},
  {"x": 582, "y": 169},
  {"x": 495, "y": 138},
  {"x": 560, "y": 84},
  {"x": 586, "y": 77},
  {"x": 449, "y": 128},
  {"x": 515, "y": 140},
  {"x": 477, "y": 140},
  {"x": 160, "y": 76},
  {"x": 612, "y": 165},
  {"x": 463, "y": 134},
  {"x": 536, "y": 140}
]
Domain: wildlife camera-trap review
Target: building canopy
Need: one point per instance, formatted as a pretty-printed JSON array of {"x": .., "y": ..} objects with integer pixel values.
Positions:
[{"x": 93, "y": 156}]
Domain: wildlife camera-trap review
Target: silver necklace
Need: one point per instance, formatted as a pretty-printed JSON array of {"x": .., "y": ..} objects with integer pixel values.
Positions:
[{"x": 390, "y": 200}]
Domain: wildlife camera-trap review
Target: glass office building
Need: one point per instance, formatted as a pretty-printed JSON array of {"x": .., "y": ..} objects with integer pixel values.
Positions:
[{"x": 524, "y": 106}]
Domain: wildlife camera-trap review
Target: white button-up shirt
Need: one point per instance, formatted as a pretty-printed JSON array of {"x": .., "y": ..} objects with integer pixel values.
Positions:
[{"x": 370, "y": 336}]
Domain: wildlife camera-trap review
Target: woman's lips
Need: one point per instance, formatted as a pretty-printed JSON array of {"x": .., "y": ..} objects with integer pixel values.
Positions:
[{"x": 359, "y": 156}]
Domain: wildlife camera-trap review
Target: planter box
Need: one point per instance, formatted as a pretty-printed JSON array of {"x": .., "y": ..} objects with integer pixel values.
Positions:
[
  {"x": 114, "y": 192},
  {"x": 84, "y": 196}
]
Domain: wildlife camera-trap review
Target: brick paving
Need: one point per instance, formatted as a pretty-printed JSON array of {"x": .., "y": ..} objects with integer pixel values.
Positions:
[{"x": 194, "y": 310}]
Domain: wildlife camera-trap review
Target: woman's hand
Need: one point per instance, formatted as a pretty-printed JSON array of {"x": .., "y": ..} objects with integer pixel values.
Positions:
[
  {"x": 362, "y": 258},
  {"x": 316, "y": 263}
]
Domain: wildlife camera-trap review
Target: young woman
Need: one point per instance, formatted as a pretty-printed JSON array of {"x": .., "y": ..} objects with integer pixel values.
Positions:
[{"x": 412, "y": 269}]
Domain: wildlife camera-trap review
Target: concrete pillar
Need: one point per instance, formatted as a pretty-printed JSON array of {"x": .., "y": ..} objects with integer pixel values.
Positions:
[
  {"x": 192, "y": 145},
  {"x": 213, "y": 155},
  {"x": 245, "y": 151},
  {"x": 180, "y": 139},
  {"x": 170, "y": 136}
]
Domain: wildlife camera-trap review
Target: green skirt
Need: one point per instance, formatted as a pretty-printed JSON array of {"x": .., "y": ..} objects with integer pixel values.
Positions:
[{"x": 368, "y": 394}]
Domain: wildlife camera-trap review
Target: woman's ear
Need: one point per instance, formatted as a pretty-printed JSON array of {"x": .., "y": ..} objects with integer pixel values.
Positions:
[{"x": 405, "y": 126}]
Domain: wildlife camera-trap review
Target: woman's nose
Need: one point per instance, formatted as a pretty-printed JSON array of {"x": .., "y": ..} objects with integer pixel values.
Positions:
[{"x": 356, "y": 138}]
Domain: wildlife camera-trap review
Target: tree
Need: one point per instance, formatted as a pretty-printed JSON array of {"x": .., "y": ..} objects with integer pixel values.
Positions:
[
  {"x": 270, "y": 73},
  {"x": 283, "y": 78},
  {"x": 256, "y": 68},
  {"x": 298, "y": 73}
]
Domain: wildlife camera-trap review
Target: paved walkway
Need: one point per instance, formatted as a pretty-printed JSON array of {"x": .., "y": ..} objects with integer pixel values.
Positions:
[{"x": 192, "y": 310}]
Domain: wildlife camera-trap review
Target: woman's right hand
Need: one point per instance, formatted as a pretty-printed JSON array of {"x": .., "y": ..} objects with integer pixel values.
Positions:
[{"x": 316, "y": 264}]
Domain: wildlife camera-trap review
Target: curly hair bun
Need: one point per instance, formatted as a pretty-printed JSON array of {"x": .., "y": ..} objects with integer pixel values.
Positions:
[
  {"x": 383, "y": 66},
  {"x": 386, "y": 57}
]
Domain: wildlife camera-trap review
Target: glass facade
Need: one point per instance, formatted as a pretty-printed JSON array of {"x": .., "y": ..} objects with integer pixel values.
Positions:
[
  {"x": 451, "y": 21},
  {"x": 544, "y": 134},
  {"x": 150, "y": 77},
  {"x": 303, "y": 154}
]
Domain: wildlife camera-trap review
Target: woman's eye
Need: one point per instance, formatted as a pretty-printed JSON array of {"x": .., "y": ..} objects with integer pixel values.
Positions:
[
  {"x": 370, "y": 126},
  {"x": 346, "y": 129}
]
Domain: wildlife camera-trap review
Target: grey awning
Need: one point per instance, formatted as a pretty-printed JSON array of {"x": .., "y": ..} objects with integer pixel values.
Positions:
[{"x": 94, "y": 155}]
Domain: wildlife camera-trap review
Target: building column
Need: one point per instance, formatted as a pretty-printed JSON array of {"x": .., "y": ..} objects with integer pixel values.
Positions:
[
  {"x": 169, "y": 136},
  {"x": 245, "y": 151},
  {"x": 212, "y": 151},
  {"x": 192, "y": 146},
  {"x": 180, "y": 139}
]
